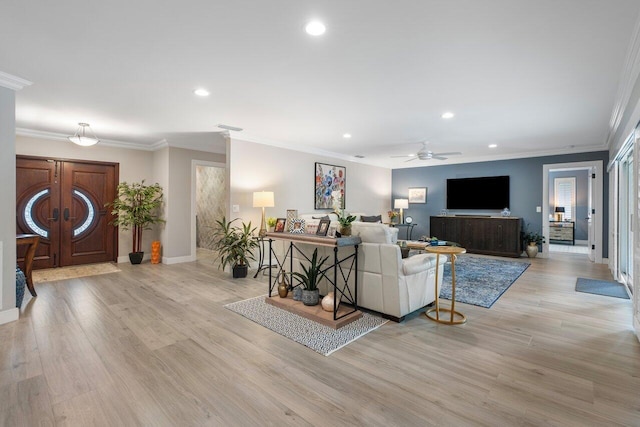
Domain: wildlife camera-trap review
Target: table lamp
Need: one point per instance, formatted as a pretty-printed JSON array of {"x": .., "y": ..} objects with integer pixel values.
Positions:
[
  {"x": 263, "y": 199},
  {"x": 401, "y": 204},
  {"x": 559, "y": 213}
]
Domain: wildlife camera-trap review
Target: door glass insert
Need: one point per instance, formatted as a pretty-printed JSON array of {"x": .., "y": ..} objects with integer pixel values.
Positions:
[
  {"x": 29, "y": 217},
  {"x": 90, "y": 214}
]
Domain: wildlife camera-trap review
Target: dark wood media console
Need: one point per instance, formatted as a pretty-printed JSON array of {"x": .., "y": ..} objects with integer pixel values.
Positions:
[{"x": 481, "y": 235}]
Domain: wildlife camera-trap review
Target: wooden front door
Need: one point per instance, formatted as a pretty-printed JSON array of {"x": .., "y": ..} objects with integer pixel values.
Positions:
[{"x": 63, "y": 202}]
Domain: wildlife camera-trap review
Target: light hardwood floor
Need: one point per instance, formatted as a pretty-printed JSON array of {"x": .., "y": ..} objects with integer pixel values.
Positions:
[{"x": 153, "y": 345}]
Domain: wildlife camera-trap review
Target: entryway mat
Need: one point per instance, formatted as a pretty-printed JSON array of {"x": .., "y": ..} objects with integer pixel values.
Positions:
[
  {"x": 601, "y": 287},
  {"x": 73, "y": 272}
]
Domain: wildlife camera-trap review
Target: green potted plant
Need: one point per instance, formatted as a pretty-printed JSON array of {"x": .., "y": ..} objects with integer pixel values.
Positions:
[
  {"x": 344, "y": 219},
  {"x": 136, "y": 207},
  {"x": 271, "y": 223},
  {"x": 532, "y": 240},
  {"x": 234, "y": 245},
  {"x": 310, "y": 278}
]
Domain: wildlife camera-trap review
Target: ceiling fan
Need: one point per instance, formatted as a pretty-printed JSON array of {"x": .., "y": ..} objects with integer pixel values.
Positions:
[{"x": 425, "y": 154}]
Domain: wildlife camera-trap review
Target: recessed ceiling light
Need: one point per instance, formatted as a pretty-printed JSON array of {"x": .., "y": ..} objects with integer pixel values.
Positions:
[
  {"x": 359, "y": 156},
  {"x": 201, "y": 92},
  {"x": 315, "y": 28},
  {"x": 346, "y": 135},
  {"x": 411, "y": 155},
  {"x": 447, "y": 115},
  {"x": 493, "y": 145}
]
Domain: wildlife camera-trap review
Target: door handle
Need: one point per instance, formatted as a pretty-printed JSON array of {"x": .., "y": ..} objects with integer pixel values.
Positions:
[
  {"x": 66, "y": 215},
  {"x": 56, "y": 214}
]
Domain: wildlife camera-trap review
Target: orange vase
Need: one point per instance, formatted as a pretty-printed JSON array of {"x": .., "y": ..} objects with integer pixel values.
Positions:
[{"x": 155, "y": 252}]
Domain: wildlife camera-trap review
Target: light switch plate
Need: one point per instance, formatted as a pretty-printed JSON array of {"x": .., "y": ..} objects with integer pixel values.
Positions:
[
  {"x": 235, "y": 208},
  {"x": 538, "y": 209}
]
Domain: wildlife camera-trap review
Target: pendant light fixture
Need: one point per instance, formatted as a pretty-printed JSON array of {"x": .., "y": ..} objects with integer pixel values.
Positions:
[{"x": 81, "y": 138}]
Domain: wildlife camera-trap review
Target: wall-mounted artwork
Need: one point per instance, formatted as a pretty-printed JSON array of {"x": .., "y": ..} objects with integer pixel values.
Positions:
[
  {"x": 330, "y": 182},
  {"x": 418, "y": 195}
]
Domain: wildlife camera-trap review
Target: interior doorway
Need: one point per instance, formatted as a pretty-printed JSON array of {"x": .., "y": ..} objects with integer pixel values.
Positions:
[
  {"x": 572, "y": 213},
  {"x": 63, "y": 201},
  {"x": 210, "y": 204}
]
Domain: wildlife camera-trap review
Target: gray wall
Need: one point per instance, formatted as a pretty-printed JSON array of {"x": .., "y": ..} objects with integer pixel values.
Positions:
[
  {"x": 582, "y": 199},
  {"x": 525, "y": 181}
]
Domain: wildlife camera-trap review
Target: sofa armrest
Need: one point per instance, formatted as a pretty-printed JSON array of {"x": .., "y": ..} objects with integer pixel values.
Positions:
[{"x": 420, "y": 262}]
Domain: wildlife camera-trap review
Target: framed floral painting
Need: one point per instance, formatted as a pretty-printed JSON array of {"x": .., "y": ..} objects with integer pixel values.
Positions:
[{"x": 330, "y": 181}]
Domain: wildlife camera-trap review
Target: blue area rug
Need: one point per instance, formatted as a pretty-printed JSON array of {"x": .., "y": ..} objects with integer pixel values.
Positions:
[
  {"x": 601, "y": 287},
  {"x": 481, "y": 281}
]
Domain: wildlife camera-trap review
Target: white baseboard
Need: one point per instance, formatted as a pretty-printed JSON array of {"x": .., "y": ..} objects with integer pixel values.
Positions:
[
  {"x": 10, "y": 315},
  {"x": 178, "y": 259}
]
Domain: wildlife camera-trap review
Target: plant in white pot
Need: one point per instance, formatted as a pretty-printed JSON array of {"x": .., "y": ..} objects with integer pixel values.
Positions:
[
  {"x": 310, "y": 278},
  {"x": 234, "y": 245},
  {"x": 136, "y": 207}
]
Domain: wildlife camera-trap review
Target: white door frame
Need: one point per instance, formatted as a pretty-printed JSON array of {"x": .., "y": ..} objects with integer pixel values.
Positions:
[
  {"x": 597, "y": 203},
  {"x": 194, "y": 164}
]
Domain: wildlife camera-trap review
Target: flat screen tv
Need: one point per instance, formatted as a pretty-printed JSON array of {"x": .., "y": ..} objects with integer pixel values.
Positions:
[{"x": 490, "y": 192}]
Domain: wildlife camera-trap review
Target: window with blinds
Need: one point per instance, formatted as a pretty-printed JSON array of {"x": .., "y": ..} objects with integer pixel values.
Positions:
[{"x": 565, "y": 195}]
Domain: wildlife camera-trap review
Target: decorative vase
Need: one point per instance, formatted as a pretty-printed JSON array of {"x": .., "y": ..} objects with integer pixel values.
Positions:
[
  {"x": 345, "y": 230},
  {"x": 21, "y": 280},
  {"x": 532, "y": 249},
  {"x": 310, "y": 297},
  {"x": 155, "y": 252},
  {"x": 327, "y": 301},
  {"x": 297, "y": 293},
  {"x": 283, "y": 285},
  {"x": 240, "y": 271}
]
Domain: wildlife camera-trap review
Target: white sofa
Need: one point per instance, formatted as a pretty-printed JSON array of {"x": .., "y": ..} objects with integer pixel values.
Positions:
[{"x": 387, "y": 283}]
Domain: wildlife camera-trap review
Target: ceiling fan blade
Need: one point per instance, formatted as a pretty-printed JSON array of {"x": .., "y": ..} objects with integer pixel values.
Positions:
[
  {"x": 413, "y": 158},
  {"x": 439, "y": 157},
  {"x": 406, "y": 155},
  {"x": 453, "y": 153}
]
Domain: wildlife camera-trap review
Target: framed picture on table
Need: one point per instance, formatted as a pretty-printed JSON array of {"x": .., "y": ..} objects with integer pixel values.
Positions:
[
  {"x": 323, "y": 227},
  {"x": 280, "y": 222}
]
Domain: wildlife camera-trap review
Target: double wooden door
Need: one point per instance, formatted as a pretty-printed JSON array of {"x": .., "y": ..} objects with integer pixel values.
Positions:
[{"x": 63, "y": 202}]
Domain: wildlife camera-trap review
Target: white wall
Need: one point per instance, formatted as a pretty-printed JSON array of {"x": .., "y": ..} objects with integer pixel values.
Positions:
[
  {"x": 290, "y": 175},
  {"x": 8, "y": 311}
]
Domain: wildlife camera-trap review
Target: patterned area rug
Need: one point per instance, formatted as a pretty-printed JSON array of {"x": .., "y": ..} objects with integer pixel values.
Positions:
[
  {"x": 320, "y": 338},
  {"x": 481, "y": 281},
  {"x": 72, "y": 272}
]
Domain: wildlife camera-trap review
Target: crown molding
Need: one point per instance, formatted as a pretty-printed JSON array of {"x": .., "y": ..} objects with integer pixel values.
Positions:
[
  {"x": 13, "y": 82},
  {"x": 628, "y": 78},
  {"x": 53, "y": 136}
]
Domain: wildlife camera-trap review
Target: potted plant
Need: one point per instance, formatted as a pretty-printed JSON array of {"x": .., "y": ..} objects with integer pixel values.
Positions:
[
  {"x": 136, "y": 207},
  {"x": 344, "y": 219},
  {"x": 532, "y": 240},
  {"x": 271, "y": 223},
  {"x": 234, "y": 245},
  {"x": 310, "y": 279}
]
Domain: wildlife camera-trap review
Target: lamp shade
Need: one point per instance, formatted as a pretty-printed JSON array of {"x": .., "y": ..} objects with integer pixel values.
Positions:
[
  {"x": 559, "y": 209},
  {"x": 263, "y": 199},
  {"x": 401, "y": 204}
]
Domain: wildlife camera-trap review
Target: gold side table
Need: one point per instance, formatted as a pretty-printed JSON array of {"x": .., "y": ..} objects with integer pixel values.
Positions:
[{"x": 453, "y": 251}]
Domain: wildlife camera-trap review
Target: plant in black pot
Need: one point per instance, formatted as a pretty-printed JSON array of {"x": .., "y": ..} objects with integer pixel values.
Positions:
[
  {"x": 310, "y": 278},
  {"x": 136, "y": 207},
  {"x": 234, "y": 245}
]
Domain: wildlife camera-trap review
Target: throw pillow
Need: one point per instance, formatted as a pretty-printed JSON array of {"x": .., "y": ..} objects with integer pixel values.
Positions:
[{"x": 373, "y": 218}]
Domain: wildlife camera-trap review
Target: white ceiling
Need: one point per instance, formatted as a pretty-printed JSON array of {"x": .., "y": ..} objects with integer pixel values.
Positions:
[{"x": 530, "y": 76}]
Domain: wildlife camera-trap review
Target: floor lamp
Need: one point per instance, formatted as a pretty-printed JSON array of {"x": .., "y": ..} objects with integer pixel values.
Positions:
[
  {"x": 401, "y": 204},
  {"x": 263, "y": 199}
]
